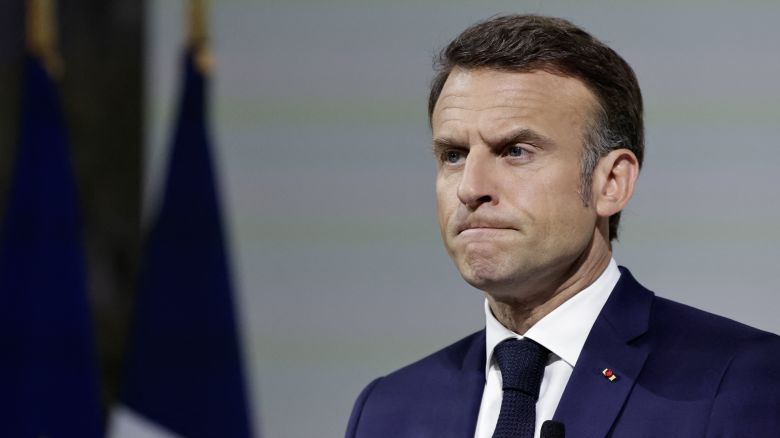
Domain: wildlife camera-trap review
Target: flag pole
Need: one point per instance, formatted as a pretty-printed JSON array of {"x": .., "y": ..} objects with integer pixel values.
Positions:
[
  {"x": 41, "y": 35},
  {"x": 197, "y": 36}
]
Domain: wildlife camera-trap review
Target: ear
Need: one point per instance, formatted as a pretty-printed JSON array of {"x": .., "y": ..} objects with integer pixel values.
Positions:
[{"x": 613, "y": 181}]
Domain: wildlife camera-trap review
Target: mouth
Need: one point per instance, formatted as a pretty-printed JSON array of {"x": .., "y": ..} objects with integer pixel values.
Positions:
[{"x": 482, "y": 229}]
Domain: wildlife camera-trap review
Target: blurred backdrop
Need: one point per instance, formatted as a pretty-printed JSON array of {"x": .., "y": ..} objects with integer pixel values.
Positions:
[
  {"x": 101, "y": 88},
  {"x": 321, "y": 146}
]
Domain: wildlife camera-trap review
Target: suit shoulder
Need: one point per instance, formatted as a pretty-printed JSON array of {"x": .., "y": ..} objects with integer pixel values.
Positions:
[
  {"x": 704, "y": 344},
  {"x": 700, "y": 325},
  {"x": 431, "y": 397},
  {"x": 466, "y": 353},
  {"x": 451, "y": 357}
]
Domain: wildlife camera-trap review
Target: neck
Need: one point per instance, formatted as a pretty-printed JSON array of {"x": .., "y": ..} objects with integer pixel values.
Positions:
[{"x": 520, "y": 314}]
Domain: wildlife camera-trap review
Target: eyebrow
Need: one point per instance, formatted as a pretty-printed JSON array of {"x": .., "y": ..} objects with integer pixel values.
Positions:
[
  {"x": 522, "y": 135},
  {"x": 442, "y": 143}
]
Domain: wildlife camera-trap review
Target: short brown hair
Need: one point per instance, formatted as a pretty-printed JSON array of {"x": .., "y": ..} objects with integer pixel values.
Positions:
[{"x": 526, "y": 43}]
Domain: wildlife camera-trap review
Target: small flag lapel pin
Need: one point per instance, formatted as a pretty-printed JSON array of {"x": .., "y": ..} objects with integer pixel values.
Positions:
[{"x": 609, "y": 374}]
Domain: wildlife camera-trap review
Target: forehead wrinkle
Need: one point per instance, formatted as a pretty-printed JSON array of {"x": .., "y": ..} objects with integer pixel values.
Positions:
[
  {"x": 518, "y": 106},
  {"x": 485, "y": 125},
  {"x": 505, "y": 97},
  {"x": 479, "y": 109},
  {"x": 524, "y": 97}
]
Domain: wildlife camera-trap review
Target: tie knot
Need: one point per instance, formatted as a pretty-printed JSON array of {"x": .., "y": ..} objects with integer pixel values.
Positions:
[{"x": 522, "y": 363}]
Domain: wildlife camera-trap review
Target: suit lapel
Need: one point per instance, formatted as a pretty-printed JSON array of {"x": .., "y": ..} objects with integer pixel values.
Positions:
[
  {"x": 468, "y": 386},
  {"x": 591, "y": 402},
  {"x": 456, "y": 402}
]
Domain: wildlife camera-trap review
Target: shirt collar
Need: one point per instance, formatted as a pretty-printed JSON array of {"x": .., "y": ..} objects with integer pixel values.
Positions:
[{"x": 564, "y": 330}]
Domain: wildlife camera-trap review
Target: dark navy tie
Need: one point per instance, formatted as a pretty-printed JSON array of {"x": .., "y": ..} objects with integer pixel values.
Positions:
[{"x": 522, "y": 368}]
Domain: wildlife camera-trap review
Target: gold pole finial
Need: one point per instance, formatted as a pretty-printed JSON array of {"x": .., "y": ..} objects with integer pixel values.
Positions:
[
  {"x": 197, "y": 34},
  {"x": 41, "y": 34}
]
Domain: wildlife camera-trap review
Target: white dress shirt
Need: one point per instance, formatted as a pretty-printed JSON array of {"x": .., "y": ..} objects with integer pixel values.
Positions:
[{"x": 563, "y": 331}]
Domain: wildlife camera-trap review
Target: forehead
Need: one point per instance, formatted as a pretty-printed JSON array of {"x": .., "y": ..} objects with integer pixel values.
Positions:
[{"x": 486, "y": 101}]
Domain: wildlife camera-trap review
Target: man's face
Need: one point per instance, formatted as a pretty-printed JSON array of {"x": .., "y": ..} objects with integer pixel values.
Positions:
[{"x": 508, "y": 147}]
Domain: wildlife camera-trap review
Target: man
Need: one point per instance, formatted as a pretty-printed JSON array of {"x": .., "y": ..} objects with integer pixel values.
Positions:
[{"x": 538, "y": 134}]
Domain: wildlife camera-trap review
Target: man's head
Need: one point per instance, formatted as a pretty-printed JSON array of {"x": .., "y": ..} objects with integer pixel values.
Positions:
[
  {"x": 524, "y": 43},
  {"x": 537, "y": 129}
]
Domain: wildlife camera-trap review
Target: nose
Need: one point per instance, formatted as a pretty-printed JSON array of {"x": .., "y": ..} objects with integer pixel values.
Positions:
[{"x": 477, "y": 184}]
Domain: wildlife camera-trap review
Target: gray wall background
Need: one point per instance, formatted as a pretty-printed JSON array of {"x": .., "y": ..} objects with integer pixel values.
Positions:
[{"x": 322, "y": 140}]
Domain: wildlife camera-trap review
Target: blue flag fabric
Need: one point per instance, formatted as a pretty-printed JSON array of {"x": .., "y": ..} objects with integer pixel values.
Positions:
[
  {"x": 184, "y": 369},
  {"x": 48, "y": 370}
]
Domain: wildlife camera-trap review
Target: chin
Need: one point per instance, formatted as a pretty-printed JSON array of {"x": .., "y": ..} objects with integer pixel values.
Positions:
[
  {"x": 483, "y": 274},
  {"x": 496, "y": 275}
]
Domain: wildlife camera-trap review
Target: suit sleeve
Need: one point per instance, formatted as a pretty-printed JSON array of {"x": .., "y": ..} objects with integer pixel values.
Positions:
[
  {"x": 748, "y": 398},
  {"x": 357, "y": 410}
]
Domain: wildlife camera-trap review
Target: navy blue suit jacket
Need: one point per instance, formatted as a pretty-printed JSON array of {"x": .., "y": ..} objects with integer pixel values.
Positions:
[{"x": 681, "y": 372}]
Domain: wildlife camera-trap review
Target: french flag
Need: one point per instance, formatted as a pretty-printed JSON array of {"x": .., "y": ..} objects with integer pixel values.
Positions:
[
  {"x": 48, "y": 369},
  {"x": 183, "y": 374}
]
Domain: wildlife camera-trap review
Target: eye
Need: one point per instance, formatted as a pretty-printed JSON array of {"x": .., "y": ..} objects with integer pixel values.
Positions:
[
  {"x": 519, "y": 153},
  {"x": 516, "y": 151},
  {"x": 452, "y": 156}
]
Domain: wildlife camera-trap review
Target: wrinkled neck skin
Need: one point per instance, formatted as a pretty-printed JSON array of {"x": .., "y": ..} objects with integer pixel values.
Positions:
[{"x": 519, "y": 310}]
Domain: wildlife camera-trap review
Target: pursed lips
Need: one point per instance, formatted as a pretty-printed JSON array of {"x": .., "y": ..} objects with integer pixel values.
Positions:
[{"x": 483, "y": 227}]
